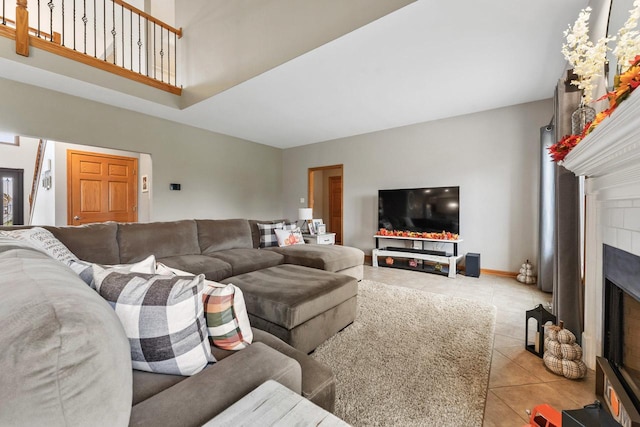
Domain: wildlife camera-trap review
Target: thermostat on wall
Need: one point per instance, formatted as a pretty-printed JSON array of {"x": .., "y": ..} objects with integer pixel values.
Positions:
[{"x": 174, "y": 187}]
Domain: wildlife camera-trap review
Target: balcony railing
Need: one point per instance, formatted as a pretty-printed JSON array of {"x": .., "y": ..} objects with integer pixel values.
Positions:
[{"x": 109, "y": 34}]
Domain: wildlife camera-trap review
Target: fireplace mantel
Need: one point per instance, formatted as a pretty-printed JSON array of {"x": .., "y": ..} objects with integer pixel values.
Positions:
[{"x": 613, "y": 148}]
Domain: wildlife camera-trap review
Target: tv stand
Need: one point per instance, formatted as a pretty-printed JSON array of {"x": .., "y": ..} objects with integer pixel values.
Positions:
[{"x": 447, "y": 262}]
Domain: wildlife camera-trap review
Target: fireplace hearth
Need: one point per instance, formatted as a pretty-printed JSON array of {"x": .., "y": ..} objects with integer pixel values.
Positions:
[{"x": 618, "y": 372}]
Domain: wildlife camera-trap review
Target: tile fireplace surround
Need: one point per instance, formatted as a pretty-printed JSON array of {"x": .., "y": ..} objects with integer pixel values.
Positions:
[{"x": 610, "y": 159}]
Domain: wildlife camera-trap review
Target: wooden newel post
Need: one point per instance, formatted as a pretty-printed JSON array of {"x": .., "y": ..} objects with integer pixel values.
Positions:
[{"x": 22, "y": 28}]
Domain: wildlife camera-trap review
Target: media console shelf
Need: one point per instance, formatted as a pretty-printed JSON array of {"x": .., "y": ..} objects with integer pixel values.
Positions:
[{"x": 447, "y": 261}]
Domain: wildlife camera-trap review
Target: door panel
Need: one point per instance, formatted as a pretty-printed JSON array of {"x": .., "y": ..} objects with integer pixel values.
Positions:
[
  {"x": 335, "y": 206},
  {"x": 101, "y": 188}
]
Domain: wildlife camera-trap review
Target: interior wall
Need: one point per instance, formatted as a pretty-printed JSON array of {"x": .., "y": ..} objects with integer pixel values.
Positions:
[
  {"x": 221, "y": 176},
  {"x": 492, "y": 155}
]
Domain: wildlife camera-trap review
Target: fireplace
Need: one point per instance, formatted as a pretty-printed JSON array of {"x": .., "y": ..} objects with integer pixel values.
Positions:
[{"x": 618, "y": 371}]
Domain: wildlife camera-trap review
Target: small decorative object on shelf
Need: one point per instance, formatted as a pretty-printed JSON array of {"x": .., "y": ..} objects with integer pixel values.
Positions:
[
  {"x": 444, "y": 235},
  {"x": 581, "y": 118},
  {"x": 563, "y": 356},
  {"x": 542, "y": 317},
  {"x": 389, "y": 260},
  {"x": 526, "y": 275}
]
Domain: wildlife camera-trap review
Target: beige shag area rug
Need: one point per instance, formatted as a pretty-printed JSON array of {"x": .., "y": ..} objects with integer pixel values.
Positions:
[{"x": 411, "y": 358}]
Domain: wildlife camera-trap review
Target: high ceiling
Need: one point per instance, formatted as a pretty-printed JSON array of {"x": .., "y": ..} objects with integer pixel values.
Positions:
[{"x": 427, "y": 61}]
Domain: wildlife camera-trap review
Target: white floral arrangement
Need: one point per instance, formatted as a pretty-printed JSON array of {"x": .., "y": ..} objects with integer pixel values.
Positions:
[
  {"x": 628, "y": 39},
  {"x": 586, "y": 58}
]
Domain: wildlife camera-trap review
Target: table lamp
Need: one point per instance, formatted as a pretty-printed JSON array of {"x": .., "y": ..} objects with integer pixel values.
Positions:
[{"x": 306, "y": 215}]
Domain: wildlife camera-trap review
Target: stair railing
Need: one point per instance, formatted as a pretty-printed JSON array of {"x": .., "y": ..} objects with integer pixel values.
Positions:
[{"x": 109, "y": 34}]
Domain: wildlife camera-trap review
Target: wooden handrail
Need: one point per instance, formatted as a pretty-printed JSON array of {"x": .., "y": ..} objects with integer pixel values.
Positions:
[
  {"x": 56, "y": 38},
  {"x": 145, "y": 15},
  {"x": 36, "y": 177}
]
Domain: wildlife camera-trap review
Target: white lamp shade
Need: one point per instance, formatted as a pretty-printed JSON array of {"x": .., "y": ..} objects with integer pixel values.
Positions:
[{"x": 305, "y": 213}]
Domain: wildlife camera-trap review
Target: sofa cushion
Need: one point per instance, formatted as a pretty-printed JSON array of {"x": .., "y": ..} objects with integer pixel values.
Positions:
[
  {"x": 195, "y": 400},
  {"x": 212, "y": 268},
  {"x": 324, "y": 257},
  {"x": 162, "y": 316},
  {"x": 220, "y": 234},
  {"x": 246, "y": 260},
  {"x": 289, "y": 295},
  {"x": 162, "y": 239},
  {"x": 96, "y": 243},
  {"x": 63, "y": 348},
  {"x": 318, "y": 381}
]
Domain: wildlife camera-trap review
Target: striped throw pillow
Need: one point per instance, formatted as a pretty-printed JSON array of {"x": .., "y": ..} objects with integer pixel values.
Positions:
[
  {"x": 226, "y": 316},
  {"x": 162, "y": 316}
]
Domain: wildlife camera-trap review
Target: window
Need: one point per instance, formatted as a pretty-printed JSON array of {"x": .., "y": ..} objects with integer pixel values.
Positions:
[{"x": 12, "y": 208}]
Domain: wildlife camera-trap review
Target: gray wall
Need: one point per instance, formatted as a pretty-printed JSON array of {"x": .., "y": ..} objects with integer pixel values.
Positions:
[
  {"x": 221, "y": 176},
  {"x": 492, "y": 156}
]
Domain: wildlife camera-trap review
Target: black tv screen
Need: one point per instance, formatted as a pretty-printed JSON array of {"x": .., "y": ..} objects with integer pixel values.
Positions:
[{"x": 420, "y": 209}]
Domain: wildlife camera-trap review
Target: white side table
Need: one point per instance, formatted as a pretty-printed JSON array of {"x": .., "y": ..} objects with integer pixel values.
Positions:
[
  {"x": 272, "y": 404},
  {"x": 320, "y": 239}
]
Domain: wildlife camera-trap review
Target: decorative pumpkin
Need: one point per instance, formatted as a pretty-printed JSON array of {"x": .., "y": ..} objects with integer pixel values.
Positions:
[
  {"x": 526, "y": 275},
  {"x": 562, "y": 355}
]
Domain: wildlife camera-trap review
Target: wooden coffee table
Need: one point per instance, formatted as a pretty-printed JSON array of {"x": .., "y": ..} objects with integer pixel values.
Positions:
[{"x": 272, "y": 404}]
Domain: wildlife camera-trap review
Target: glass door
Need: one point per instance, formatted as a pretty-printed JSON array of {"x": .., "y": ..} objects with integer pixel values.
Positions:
[{"x": 12, "y": 196}]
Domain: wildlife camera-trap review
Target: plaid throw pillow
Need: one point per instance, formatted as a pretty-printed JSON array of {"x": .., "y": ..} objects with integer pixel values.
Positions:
[
  {"x": 227, "y": 318},
  {"x": 268, "y": 235},
  {"x": 163, "y": 318},
  {"x": 224, "y": 310},
  {"x": 84, "y": 269}
]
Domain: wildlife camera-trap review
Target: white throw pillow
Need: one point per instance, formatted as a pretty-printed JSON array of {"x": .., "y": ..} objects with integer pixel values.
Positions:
[
  {"x": 289, "y": 237},
  {"x": 43, "y": 240}
]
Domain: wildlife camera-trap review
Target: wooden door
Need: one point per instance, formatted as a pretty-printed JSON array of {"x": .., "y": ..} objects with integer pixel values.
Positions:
[
  {"x": 335, "y": 207},
  {"x": 101, "y": 188}
]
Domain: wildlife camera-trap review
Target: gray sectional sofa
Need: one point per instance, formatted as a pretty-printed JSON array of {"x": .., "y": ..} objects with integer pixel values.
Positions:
[{"x": 67, "y": 360}]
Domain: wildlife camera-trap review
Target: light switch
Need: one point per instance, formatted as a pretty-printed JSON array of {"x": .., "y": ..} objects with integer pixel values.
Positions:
[{"x": 301, "y": 199}]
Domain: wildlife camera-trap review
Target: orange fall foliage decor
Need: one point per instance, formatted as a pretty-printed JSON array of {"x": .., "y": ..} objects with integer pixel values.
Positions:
[{"x": 626, "y": 83}]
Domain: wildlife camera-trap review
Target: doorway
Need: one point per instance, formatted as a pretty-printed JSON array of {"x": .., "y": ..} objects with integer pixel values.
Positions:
[
  {"x": 101, "y": 188},
  {"x": 326, "y": 197},
  {"x": 12, "y": 196}
]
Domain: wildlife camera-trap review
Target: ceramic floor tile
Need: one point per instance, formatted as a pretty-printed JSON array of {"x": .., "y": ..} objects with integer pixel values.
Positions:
[
  {"x": 530, "y": 362},
  {"x": 524, "y": 397},
  {"x": 505, "y": 372},
  {"x": 500, "y": 341},
  {"x": 499, "y": 414}
]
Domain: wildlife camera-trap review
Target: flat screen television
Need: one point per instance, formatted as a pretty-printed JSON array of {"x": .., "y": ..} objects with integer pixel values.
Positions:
[{"x": 420, "y": 209}]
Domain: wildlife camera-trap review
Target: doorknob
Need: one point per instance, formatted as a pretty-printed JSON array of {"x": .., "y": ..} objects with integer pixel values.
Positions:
[{"x": 76, "y": 218}]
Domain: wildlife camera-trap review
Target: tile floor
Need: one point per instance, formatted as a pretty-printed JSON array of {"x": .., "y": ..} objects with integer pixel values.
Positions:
[{"x": 518, "y": 380}]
